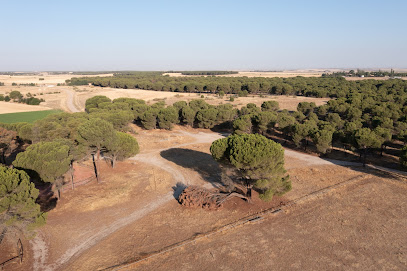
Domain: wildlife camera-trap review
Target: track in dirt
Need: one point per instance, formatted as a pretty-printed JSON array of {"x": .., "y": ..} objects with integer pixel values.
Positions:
[
  {"x": 153, "y": 158},
  {"x": 70, "y": 100}
]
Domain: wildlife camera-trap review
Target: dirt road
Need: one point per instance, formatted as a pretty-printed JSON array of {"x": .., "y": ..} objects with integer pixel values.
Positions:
[
  {"x": 71, "y": 100},
  {"x": 153, "y": 158},
  {"x": 39, "y": 245}
]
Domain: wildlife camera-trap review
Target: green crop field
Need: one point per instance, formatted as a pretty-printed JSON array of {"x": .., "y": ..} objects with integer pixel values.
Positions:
[{"x": 26, "y": 116}]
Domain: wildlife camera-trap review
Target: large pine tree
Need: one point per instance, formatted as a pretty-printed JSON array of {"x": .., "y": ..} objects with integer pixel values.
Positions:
[
  {"x": 17, "y": 201},
  {"x": 256, "y": 160}
]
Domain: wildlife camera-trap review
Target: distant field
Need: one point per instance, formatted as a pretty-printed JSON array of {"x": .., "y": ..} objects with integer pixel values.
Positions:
[
  {"x": 47, "y": 78},
  {"x": 285, "y": 74},
  {"x": 9, "y": 107},
  {"x": 26, "y": 116}
]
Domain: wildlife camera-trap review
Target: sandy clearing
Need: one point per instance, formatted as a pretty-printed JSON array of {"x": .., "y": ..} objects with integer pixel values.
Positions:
[{"x": 8, "y": 107}]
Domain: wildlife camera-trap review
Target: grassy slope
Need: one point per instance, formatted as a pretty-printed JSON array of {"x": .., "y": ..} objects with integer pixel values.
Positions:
[{"x": 26, "y": 116}]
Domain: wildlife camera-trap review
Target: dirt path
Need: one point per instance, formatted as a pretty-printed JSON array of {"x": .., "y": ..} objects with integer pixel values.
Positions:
[
  {"x": 309, "y": 160},
  {"x": 71, "y": 100},
  {"x": 154, "y": 158}
]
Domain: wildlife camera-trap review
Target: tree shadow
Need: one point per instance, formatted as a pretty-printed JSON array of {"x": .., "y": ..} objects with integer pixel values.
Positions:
[
  {"x": 46, "y": 199},
  {"x": 200, "y": 162},
  {"x": 178, "y": 188}
]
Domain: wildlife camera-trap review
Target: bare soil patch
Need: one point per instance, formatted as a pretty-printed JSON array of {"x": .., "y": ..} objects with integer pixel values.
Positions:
[
  {"x": 48, "y": 78},
  {"x": 359, "y": 227},
  {"x": 10, "y": 107}
]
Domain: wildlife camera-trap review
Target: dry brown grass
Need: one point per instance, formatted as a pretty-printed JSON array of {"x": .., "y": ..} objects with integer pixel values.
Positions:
[
  {"x": 285, "y": 74},
  {"x": 48, "y": 79},
  {"x": 9, "y": 107}
]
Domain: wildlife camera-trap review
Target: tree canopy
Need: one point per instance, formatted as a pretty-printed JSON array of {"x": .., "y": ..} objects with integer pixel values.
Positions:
[
  {"x": 17, "y": 200},
  {"x": 256, "y": 160}
]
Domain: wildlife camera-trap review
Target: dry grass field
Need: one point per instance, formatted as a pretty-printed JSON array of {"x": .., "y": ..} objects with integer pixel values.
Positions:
[
  {"x": 8, "y": 107},
  {"x": 133, "y": 213},
  {"x": 285, "y": 74},
  {"x": 58, "y": 97},
  {"x": 48, "y": 78}
]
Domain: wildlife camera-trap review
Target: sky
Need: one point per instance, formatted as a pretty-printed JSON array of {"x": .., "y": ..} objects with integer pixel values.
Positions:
[{"x": 201, "y": 35}]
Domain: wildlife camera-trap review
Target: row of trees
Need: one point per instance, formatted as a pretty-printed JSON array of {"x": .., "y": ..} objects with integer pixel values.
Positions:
[
  {"x": 366, "y": 119},
  {"x": 315, "y": 87},
  {"x": 362, "y": 73},
  {"x": 16, "y": 96},
  {"x": 56, "y": 142}
]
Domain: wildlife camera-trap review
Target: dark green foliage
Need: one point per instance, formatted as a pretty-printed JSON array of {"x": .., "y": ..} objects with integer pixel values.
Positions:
[
  {"x": 149, "y": 119},
  {"x": 17, "y": 201},
  {"x": 121, "y": 147},
  {"x": 15, "y": 95},
  {"x": 270, "y": 106},
  {"x": 306, "y": 108},
  {"x": 256, "y": 159},
  {"x": 95, "y": 133},
  {"x": 403, "y": 158},
  {"x": 206, "y": 118},
  {"x": 249, "y": 109},
  {"x": 167, "y": 117},
  {"x": 188, "y": 115},
  {"x": 119, "y": 118},
  {"x": 49, "y": 159},
  {"x": 95, "y": 101},
  {"x": 243, "y": 125},
  {"x": 265, "y": 121},
  {"x": 323, "y": 140},
  {"x": 198, "y": 105}
]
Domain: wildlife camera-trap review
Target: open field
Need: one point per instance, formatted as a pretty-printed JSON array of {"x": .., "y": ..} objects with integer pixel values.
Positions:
[
  {"x": 133, "y": 213},
  {"x": 48, "y": 78},
  {"x": 26, "y": 116},
  {"x": 9, "y": 107},
  {"x": 358, "y": 227},
  {"x": 60, "y": 97},
  {"x": 285, "y": 74}
]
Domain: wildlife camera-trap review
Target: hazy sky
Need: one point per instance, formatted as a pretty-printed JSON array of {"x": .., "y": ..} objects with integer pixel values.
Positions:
[{"x": 197, "y": 35}]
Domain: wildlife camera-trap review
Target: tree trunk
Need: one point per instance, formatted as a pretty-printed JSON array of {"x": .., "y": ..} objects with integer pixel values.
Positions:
[
  {"x": 72, "y": 176},
  {"x": 3, "y": 157},
  {"x": 249, "y": 190},
  {"x": 364, "y": 157},
  {"x": 113, "y": 161},
  {"x": 95, "y": 168}
]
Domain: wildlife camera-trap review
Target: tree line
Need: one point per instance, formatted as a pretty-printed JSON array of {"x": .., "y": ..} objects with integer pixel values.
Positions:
[
  {"x": 366, "y": 119},
  {"x": 362, "y": 73},
  {"x": 372, "y": 115},
  {"x": 335, "y": 87},
  {"x": 17, "y": 97},
  {"x": 55, "y": 143}
]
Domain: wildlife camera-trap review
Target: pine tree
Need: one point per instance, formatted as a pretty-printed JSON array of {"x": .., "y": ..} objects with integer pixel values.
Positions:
[
  {"x": 257, "y": 161},
  {"x": 50, "y": 160},
  {"x": 17, "y": 201},
  {"x": 123, "y": 146}
]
